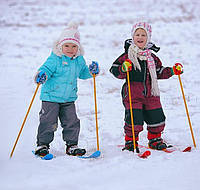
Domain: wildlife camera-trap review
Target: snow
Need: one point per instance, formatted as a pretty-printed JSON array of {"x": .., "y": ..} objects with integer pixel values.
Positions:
[{"x": 27, "y": 30}]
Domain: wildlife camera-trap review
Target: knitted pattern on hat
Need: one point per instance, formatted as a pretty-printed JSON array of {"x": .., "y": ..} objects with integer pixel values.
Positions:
[
  {"x": 145, "y": 26},
  {"x": 69, "y": 35}
]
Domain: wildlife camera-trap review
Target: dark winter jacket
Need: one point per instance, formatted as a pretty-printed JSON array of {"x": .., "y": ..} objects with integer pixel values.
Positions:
[{"x": 140, "y": 80}]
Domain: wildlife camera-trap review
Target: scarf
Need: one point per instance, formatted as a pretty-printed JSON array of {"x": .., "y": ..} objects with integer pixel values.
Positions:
[{"x": 133, "y": 53}]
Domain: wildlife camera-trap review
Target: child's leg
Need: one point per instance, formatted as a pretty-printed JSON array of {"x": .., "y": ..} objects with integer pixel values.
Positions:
[
  {"x": 71, "y": 128},
  {"x": 48, "y": 123},
  {"x": 155, "y": 119},
  {"x": 70, "y": 123},
  {"x": 137, "y": 106},
  {"x": 138, "y": 124}
]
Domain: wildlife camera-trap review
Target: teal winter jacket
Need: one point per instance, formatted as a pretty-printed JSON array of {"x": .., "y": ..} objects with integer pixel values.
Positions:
[{"x": 62, "y": 73}]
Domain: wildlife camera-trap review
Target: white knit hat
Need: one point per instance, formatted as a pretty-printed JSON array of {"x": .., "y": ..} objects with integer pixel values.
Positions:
[
  {"x": 69, "y": 35},
  {"x": 146, "y": 27}
]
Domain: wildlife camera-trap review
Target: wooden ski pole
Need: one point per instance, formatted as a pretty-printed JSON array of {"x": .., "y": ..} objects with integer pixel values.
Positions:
[
  {"x": 95, "y": 101},
  {"x": 131, "y": 109},
  {"x": 24, "y": 120},
  {"x": 187, "y": 112}
]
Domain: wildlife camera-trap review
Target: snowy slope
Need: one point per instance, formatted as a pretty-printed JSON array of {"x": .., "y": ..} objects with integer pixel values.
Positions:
[{"x": 27, "y": 30}]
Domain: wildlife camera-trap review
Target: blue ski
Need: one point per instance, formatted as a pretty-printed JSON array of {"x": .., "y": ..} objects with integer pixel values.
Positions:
[
  {"x": 46, "y": 157},
  {"x": 94, "y": 155}
]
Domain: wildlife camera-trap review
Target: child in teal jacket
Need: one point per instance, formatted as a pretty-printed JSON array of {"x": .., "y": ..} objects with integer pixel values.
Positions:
[
  {"x": 62, "y": 73},
  {"x": 59, "y": 76}
]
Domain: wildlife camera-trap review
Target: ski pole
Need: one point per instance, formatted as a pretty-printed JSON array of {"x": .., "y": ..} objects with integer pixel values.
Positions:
[
  {"x": 187, "y": 112},
  {"x": 95, "y": 101},
  {"x": 24, "y": 120},
  {"x": 131, "y": 109}
]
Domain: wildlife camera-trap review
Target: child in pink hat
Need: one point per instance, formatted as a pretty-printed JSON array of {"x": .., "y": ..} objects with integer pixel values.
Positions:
[{"x": 145, "y": 68}]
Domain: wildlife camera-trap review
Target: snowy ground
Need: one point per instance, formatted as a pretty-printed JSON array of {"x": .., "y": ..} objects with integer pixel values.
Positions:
[{"x": 27, "y": 30}]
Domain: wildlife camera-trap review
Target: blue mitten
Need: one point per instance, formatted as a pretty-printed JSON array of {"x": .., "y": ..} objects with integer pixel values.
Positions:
[
  {"x": 94, "y": 68},
  {"x": 40, "y": 77}
]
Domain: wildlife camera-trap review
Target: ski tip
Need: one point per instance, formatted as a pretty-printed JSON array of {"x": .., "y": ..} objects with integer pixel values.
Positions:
[
  {"x": 97, "y": 153},
  {"x": 145, "y": 154},
  {"x": 47, "y": 157},
  {"x": 188, "y": 149},
  {"x": 94, "y": 155}
]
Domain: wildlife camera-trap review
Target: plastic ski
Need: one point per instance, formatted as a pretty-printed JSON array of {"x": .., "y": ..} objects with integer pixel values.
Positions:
[
  {"x": 167, "y": 150},
  {"x": 145, "y": 154},
  {"x": 170, "y": 149},
  {"x": 94, "y": 155},
  {"x": 46, "y": 157}
]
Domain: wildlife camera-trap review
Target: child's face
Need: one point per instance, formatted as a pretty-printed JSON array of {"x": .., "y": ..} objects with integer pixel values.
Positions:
[
  {"x": 140, "y": 38},
  {"x": 69, "y": 49}
]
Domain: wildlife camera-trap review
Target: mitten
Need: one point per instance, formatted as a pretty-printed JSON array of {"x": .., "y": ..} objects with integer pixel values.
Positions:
[
  {"x": 177, "y": 69},
  {"x": 40, "y": 77},
  {"x": 126, "y": 65},
  {"x": 94, "y": 68}
]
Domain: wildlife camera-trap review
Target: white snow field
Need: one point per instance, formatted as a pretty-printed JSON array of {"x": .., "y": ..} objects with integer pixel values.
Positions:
[{"x": 27, "y": 31}]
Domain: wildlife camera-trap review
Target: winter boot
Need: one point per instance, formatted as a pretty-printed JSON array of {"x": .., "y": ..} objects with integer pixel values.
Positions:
[
  {"x": 157, "y": 144},
  {"x": 130, "y": 146},
  {"x": 73, "y": 150},
  {"x": 129, "y": 143},
  {"x": 42, "y": 150},
  {"x": 155, "y": 141}
]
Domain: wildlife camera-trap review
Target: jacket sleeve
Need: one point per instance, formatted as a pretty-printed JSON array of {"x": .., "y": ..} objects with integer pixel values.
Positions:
[
  {"x": 162, "y": 72},
  {"x": 84, "y": 72},
  {"x": 49, "y": 66},
  {"x": 117, "y": 65}
]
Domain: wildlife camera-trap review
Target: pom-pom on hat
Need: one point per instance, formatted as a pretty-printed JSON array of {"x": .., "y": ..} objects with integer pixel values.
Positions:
[
  {"x": 69, "y": 35},
  {"x": 145, "y": 26}
]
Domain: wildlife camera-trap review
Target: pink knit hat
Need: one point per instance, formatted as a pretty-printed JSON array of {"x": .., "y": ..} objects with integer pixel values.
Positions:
[
  {"x": 145, "y": 26},
  {"x": 69, "y": 35}
]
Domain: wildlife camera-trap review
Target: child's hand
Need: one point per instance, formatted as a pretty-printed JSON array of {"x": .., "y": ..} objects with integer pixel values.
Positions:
[
  {"x": 40, "y": 77},
  {"x": 177, "y": 69},
  {"x": 94, "y": 68},
  {"x": 126, "y": 66}
]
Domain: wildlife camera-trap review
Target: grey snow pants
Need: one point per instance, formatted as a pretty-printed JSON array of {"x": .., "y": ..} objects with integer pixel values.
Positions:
[{"x": 49, "y": 114}]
